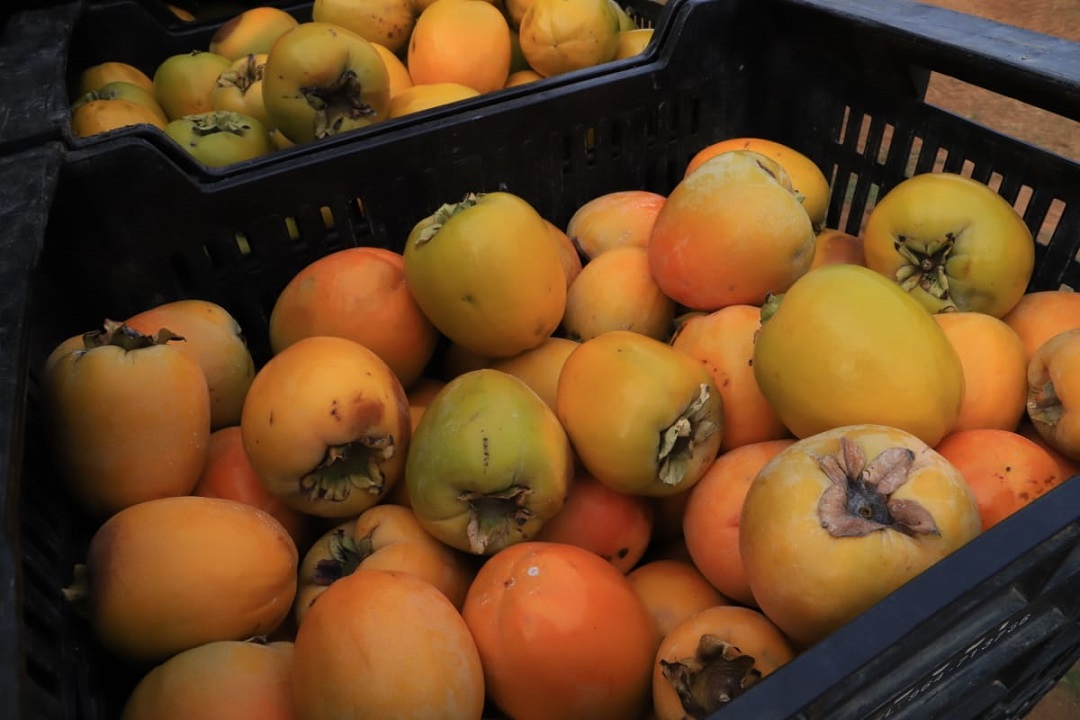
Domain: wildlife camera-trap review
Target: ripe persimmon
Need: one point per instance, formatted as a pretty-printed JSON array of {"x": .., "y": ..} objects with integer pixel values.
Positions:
[
  {"x": 571, "y": 259},
  {"x": 723, "y": 342},
  {"x": 712, "y": 513},
  {"x": 406, "y": 653},
  {"x": 616, "y": 526},
  {"x": 836, "y": 246},
  {"x": 219, "y": 680},
  {"x": 616, "y": 291},
  {"x": 425, "y": 96},
  {"x": 995, "y": 369},
  {"x": 228, "y": 474},
  {"x": 559, "y": 36},
  {"x": 1005, "y": 470},
  {"x": 673, "y": 590},
  {"x": 561, "y": 634},
  {"x": 731, "y": 232},
  {"x": 1040, "y": 315},
  {"x": 359, "y": 294},
  {"x": 614, "y": 219},
  {"x": 540, "y": 367},
  {"x": 460, "y": 41}
]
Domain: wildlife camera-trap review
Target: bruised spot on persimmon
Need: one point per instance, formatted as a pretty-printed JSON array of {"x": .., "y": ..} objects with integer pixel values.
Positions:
[
  {"x": 858, "y": 502},
  {"x": 716, "y": 674}
]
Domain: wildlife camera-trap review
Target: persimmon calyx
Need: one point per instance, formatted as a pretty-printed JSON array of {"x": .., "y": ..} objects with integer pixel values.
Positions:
[
  {"x": 346, "y": 554},
  {"x": 353, "y": 466},
  {"x": 859, "y": 498},
  {"x": 493, "y": 516},
  {"x": 441, "y": 216},
  {"x": 1044, "y": 405},
  {"x": 337, "y": 102},
  {"x": 716, "y": 674},
  {"x": 678, "y": 440},
  {"x": 242, "y": 79},
  {"x": 126, "y": 337},
  {"x": 925, "y": 263},
  {"x": 219, "y": 121}
]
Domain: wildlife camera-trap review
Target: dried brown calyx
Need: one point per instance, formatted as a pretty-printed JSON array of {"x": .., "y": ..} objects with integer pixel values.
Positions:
[
  {"x": 346, "y": 554},
  {"x": 716, "y": 674},
  {"x": 679, "y": 440},
  {"x": 859, "y": 498},
  {"x": 345, "y": 468}
]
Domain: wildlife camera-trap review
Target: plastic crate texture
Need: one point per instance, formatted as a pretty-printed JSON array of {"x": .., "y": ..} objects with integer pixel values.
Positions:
[{"x": 983, "y": 634}]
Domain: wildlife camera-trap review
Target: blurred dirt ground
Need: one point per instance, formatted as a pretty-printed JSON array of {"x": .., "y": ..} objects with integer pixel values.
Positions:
[{"x": 1060, "y": 135}]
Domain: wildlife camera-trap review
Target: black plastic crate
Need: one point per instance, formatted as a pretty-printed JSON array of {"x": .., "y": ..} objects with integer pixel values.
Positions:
[
  {"x": 47, "y": 45},
  {"x": 983, "y": 634}
]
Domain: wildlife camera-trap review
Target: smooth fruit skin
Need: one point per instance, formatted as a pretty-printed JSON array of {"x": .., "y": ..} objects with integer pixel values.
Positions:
[
  {"x": 731, "y": 232},
  {"x": 487, "y": 435},
  {"x": 1005, "y": 470},
  {"x": 614, "y": 219},
  {"x": 487, "y": 274},
  {"x": 614, "y": 525},
  {"x": 360, "y": 294},
  {"x": 847, "y": 346},
  {"x": 326, "y": 426},
  {"x": 561, "y": 634},
  {"x": 95, "y": 76},
  {"x": 809, "y": 582},
  {"x": 619, "y": 393},
  {"x": 220, "y": 680},
  {"x": 228, "y": 474},
  {"x": 1039, "y": 316},
  {"x": 460, "y": 41},
  {"x": 540, "y": 367},
  {"x": 126, "y": 426},
  {"x": 673, "y": 590},
  {"x": 171, "y": 574},
  {"x": 380, "y": 644},
  {"x": 616, "y": 291},
  {"x": 989, "y": 255},
  {"x": 421, "y": 97},
  {"x": 99, "y": 116},
  {"x": 214, "y": 339},
  {"x": 995, "y": 369},
  {"x": 723, "y": 342},
  {"x": 184, "y": 83},
  {"x": 710, "y": 521},
  {"x": 251, "y": 32}
]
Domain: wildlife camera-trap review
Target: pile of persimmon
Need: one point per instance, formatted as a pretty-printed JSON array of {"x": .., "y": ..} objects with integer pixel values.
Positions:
[
  {"x": 268, "y": 81},
  {"x": 679, "y": 436}
]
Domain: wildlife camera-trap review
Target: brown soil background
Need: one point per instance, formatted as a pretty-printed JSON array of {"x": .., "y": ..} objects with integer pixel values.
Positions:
[
  {"x": 1060, "y": 135},
  {"x": 1060, "y": 18}
]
